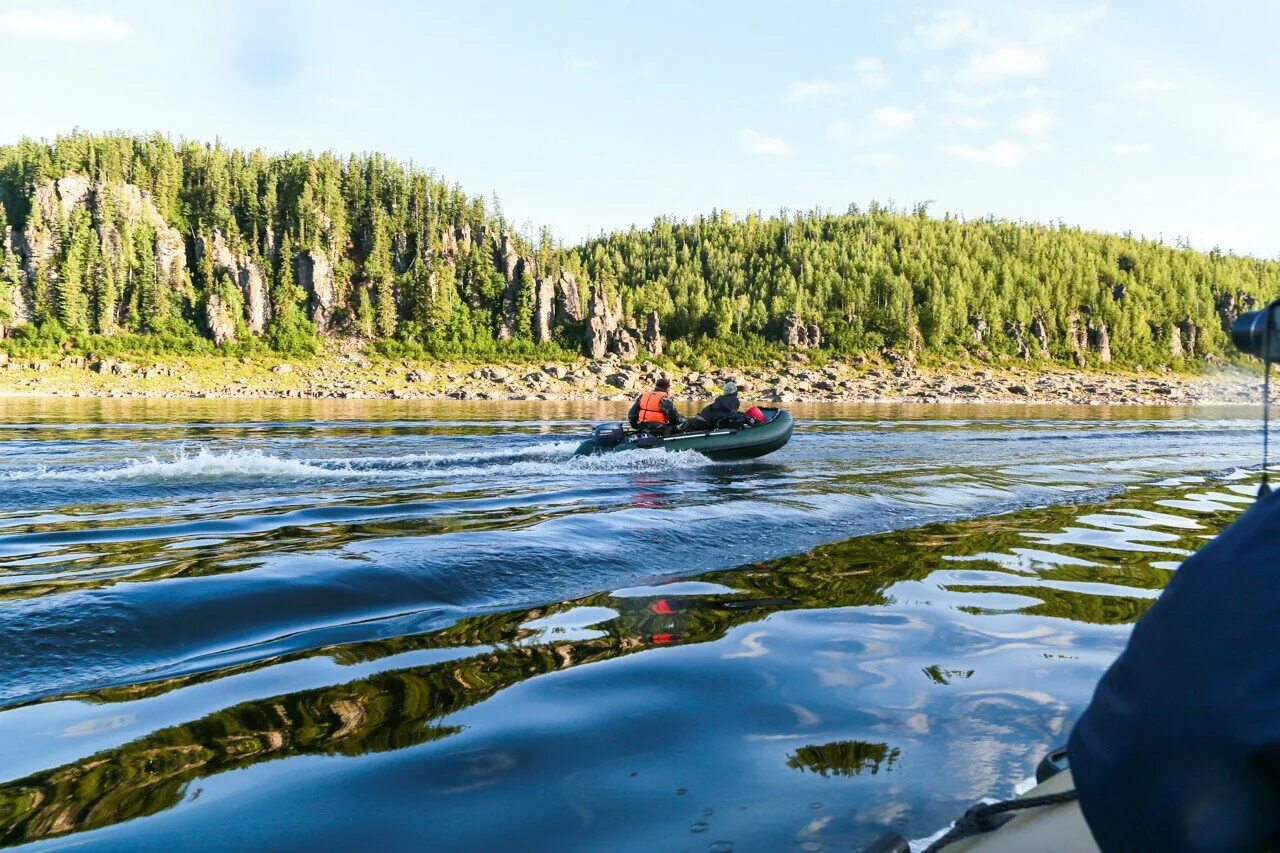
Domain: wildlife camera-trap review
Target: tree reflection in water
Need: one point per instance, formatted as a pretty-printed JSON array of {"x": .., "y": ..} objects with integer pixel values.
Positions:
[{"x": 405, "y": 707}]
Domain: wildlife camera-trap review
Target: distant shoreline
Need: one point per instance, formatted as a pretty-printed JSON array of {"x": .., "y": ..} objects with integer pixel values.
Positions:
[{"x": 352, "y": 376}]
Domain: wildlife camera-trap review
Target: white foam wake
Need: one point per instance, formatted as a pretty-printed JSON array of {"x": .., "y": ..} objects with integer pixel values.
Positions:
[
  {"x": 199, "y": 465},
  {"x": 542, "y": 461}
]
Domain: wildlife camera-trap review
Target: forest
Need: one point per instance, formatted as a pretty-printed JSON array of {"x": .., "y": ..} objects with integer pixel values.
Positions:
[{"x": 115, "y": 242}]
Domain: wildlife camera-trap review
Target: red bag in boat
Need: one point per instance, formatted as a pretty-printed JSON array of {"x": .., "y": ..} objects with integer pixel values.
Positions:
[{"x": 755, "y": 414}]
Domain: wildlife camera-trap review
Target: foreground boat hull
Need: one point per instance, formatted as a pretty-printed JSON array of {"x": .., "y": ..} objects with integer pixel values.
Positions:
[{"x": 722, "y": 445}]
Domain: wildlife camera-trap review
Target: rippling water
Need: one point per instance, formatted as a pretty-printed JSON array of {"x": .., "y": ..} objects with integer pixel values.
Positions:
[{"x": 428, "y": 626}]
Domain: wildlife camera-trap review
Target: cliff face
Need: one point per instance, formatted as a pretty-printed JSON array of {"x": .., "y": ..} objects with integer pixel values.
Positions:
[
  {"x": 119, "y": 215},
  {"x": 119, "y": 212}
]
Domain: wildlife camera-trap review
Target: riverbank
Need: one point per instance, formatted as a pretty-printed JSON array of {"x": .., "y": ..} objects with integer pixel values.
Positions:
[{"x": 355, "y": 376}]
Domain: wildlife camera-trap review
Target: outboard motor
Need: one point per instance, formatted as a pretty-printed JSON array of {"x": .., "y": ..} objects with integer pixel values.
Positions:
[{"x": 607, "y": 435}]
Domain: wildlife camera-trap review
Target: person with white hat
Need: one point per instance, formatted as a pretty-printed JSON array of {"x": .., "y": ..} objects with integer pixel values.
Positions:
[{"x": 723, "y": 410}]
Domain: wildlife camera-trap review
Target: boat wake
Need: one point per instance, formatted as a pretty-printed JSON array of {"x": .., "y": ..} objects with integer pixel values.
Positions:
[{"x": 550, "y": 459}]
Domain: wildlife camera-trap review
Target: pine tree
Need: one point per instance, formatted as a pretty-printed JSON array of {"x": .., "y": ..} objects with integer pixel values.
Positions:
[{"x": 72, "y": 296}]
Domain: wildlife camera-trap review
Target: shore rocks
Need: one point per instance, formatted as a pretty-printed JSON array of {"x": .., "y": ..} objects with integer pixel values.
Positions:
[{"x": 353, "y": 376}]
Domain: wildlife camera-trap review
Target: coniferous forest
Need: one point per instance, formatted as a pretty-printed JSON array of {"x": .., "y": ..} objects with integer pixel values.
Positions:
[{"x": 150, "y": 244}]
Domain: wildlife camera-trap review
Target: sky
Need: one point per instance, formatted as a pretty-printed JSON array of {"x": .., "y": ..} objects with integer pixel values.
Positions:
[{"x": 1157, "y": 118}]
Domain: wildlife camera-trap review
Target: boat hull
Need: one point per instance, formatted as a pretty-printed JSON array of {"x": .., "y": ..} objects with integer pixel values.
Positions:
[{"x": 722, "y": 445}]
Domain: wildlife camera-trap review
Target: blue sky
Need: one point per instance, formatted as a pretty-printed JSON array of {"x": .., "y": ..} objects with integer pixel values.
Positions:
[{"x": 1161, "y": 118}]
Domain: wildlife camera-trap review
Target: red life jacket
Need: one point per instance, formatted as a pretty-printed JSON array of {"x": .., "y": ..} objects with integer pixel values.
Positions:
[{"x": 651, "y": 408}]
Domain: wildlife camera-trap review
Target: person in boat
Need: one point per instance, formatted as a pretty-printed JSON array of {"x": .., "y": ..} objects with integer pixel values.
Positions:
[
  {"x": 655, "y": 411},
  {"x": 1179, "y": 749},
  {"x": 723, "y": 413},
  {"x": 722, "y": 410}
]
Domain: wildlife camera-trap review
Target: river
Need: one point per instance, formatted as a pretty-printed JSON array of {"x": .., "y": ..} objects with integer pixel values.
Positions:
[{"x": 425, "y": 625}]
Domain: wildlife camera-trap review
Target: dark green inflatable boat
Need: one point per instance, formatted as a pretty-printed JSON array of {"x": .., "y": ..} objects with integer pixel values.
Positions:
[{"x": 718, "y": 444}]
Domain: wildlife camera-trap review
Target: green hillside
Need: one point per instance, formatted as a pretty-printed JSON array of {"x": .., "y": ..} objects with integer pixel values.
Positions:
[{"x": 114, "y": 242}]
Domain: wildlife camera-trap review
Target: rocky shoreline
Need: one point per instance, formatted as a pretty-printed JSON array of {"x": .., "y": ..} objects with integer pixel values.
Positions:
[{"x": 858, "y": 380}]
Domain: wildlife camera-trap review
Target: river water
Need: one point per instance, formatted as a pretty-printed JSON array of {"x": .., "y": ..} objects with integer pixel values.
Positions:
[{"x": 422, "y": 625}]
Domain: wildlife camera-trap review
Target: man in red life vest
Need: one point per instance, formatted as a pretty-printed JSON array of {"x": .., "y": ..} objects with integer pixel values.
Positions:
[{"x": 655, "y": 411}]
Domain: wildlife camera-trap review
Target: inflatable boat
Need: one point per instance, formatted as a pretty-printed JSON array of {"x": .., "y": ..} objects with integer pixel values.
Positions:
[{"x": 718, "y": 444}]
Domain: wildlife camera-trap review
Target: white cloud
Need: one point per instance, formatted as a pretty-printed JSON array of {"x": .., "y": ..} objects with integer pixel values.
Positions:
[
  {"x": 890, "y": 121},
  {"x": 1145, "y": 87},
  {"x": 948, "y": 28},
  {"x": 869, "y": 74},
  {"x": 962, "y": 100},
  {"x": 966, "y": 121},
  {"x": 755, "y": 142},
  {"x": 1036, "y": 121},
  {"x": 875, "y": 160},
  {"x": 1058, "y": 27},
  {"x": 1130, "y": 149},
  {"x": 810, "y": 89},
  {"x": 1006, "y": 62},
  {"x": 880, "y": 125},
  {"x": 65, "y": 25},
  {"x": 1001, "y": 152},
  {"x": 1023, "y": 53},
  {"x": 841, "y": 131}
]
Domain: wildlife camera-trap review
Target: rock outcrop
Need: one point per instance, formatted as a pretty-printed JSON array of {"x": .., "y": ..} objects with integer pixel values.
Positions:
[
  {"x": 1018, "y": 332},
  {"x": 1100, "y": 340},
  {"x": 112, "y": 206},
  {"x": 606, "y": 333},
  {"x": 244, "y": 272},
  {"x": 1231, "y": 305},
  {"x": 1041, "y": 334},
  {"x": 653, "y": 335},
  {"x": 568, "y": 303},
  {"x": 508, "y": 260},
  {"x": 136, "y": 205},
  {"x": 602, "y": 325},
  {"x": 313, "y": 272},
  {"x": 799, "y": 336},
  {"x": 218, "y": 320},
  {"x": 1077, "y": 338},
  {"x": 1185, "y": 335},
  {"x": 979, "y": 326},
  {"x": 544, "y": 307},
  {"x": 20, "y": 297},
  {"x": 624, "y": 345}
]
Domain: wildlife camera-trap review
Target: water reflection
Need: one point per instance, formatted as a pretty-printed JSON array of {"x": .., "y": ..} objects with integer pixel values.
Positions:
[{"x": 772, "y": 654}]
